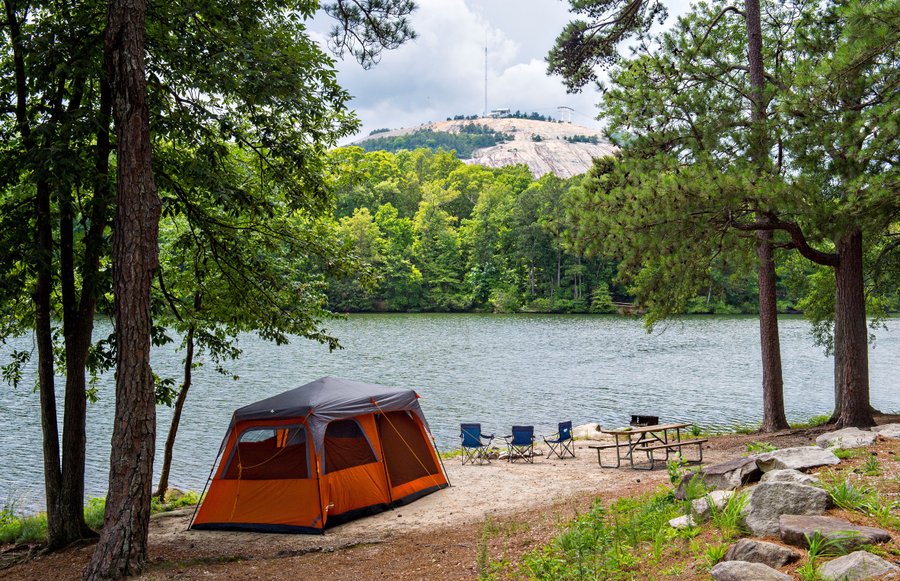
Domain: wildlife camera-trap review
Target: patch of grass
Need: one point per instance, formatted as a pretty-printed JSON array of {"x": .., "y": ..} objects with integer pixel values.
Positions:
[
  {"x": 94, "y": 512},
  {"x": 846, "y": 495},
  {"x": 728, "y": 520},
  {"x": 812, "y": 422},
  {"x": 15, "y": 528},
  {"x": 823, "y": 546},
  {"x": 760, "y": 447},
  {"x": 747, "y": 429},
  {"x": 450, "y": 454},
  {"x": 871, "y": 467},
  {"x": 695, "y": 431},
  {"x": 189, "y": 498},
  {"x": 606, "y": 541},
  {"x": 844, "y": 453},
  {"x": 715, "y": 553}
]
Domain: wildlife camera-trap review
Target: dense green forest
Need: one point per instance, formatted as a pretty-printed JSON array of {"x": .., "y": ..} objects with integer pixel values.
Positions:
[
  {"x": 434, "y": 234},
  {"x": 471, "y": 136}
]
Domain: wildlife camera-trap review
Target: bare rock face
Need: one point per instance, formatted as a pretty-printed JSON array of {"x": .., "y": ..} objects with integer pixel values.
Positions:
[
  {"x": 745, "y": 571},
  {"x": 801, "y": 458},
  {"x": 771, "y": 500},
  {"x": 888, "y": 430},
  {"x": 564, "y": 149},
  {"x": 846, "y": 438},
  {"x": 790, "y": 476},
  {"x": 795, "y": 529},
  {"x": 754, "y": 551},
  {"x": 858, "y": 566}
]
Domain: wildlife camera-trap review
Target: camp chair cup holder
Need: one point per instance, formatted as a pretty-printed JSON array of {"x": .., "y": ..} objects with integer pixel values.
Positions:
[{"x": 561, "y": 443}]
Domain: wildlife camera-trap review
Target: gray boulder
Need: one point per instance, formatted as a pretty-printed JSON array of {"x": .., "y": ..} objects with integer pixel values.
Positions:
[
  {"x": 744, "y": 571},
  {"x": 888, "y": 430},
  {"x": 702, "y": 507},
  {"x": 725, "y": 476},
  {"x": 682, "y": 522},
  {"x": 846, "y": 438},
  {"x": 761, "y": 552},
  {"x": 858, "y": 566},
  {"x": 802, "y": 458},
  {"x": 796, "y": 528},
  {"x": 790, "y": 475},
  {"x": 770, "y": 500}
]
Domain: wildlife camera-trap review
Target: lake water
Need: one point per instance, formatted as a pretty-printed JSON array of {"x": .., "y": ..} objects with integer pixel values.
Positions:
[{"x": 494, "y": 369}]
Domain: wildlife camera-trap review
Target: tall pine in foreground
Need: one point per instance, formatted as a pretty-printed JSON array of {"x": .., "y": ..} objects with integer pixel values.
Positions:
[{"x": 583, "y": 45}]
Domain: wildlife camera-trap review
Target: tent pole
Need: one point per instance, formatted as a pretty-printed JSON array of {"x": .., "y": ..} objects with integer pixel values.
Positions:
[
  {"x": 438, "y": 454},
  {"x": 319, "y": 488}
]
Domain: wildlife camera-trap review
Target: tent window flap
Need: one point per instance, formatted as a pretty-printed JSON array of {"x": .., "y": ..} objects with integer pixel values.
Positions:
[
  {"x": 269, "y": 453},
  {"x": 346, "y": 446}
]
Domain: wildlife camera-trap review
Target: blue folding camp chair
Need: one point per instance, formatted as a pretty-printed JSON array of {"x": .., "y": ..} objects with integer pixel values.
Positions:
[
  {"x": 475, "y": 446},
  {"x": 561, "y": 443},
  {"x": 520, "y": 445}
]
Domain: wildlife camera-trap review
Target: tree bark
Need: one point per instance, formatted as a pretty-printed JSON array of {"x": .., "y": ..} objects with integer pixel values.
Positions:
[
  {"x": 850, "y": 315},
  {"x": 773, "y": 383},
  {"x": 838, "y": 339},
  {"x": 774, "y": 418},
  {"x": 176, "y": 414},
  {"x": 122, "y": 549}
]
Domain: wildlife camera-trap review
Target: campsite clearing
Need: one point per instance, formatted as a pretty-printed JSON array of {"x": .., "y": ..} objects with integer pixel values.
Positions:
[{"x": 499, "y": 509}]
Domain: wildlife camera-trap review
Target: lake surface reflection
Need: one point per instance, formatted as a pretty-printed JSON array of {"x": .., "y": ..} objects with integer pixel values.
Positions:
[{"x": 494, "y": 369}]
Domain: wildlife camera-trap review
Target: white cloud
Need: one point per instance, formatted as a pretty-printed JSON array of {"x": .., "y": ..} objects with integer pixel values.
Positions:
[{"x": 441, "y": 73}]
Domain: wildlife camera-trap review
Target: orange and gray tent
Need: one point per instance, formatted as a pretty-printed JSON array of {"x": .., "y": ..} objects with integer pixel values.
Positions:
[{"x": 318, "y": 456}]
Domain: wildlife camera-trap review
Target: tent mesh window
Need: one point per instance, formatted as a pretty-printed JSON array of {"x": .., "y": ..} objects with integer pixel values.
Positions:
[
  {"x": 406, "y": 453},
  {"x": 269, "y": 454},
  {"x": 346, "y": 446}
]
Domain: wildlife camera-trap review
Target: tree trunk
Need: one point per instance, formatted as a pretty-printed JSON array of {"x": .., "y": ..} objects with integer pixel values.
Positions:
[
  {"x": 122, "y": 549},
  {"x": 176, "y": 415},
  {"x": 773, "y": 383},
  {"x": 850, "y": 315},
  {"x": 43, "y": 266},
  {"x": 838, "y": 339},
  {"x": 56, "y": 536},
  {"x": 75, "y": 405}
]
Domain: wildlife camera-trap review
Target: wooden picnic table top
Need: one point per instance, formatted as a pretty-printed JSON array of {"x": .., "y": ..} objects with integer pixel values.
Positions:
[{"x": 644, "y": 429}]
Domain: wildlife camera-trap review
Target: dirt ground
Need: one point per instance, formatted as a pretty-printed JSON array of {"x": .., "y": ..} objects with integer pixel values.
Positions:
[{"x": 436, "y": 537}]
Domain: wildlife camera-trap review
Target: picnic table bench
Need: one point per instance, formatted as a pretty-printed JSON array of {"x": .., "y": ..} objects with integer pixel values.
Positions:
[{"x": 650, "y": 439}]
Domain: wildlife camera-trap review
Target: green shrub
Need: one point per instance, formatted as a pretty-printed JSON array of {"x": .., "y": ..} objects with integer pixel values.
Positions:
[
  {"x": 605, "y": 542},
  {"x": 601, "y": 300},
  {"x": 94, "y": 512},
  {"x": 715, "y": 553}
]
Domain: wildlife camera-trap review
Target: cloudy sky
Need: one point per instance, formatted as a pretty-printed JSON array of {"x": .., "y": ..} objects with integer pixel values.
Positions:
[{"x": 442, "y": 72}]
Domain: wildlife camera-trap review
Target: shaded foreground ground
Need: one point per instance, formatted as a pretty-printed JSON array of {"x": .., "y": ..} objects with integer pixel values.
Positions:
[{"x": 497, "y": 511}]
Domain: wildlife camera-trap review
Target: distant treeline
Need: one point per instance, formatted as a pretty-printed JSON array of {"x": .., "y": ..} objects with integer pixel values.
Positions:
[
  {"x": 435, "y": 234},
  {"x": 470, "y": 137},
  {"x": 517, "y": 115}
]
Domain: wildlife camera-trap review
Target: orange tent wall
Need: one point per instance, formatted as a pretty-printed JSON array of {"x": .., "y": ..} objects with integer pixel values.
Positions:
[
  {"x": 278, "y": 505},
  {"x": 297, "y": 505}
]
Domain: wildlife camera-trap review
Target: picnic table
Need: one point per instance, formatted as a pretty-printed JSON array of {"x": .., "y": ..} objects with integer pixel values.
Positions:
[{"x": 649, "y": 439}]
